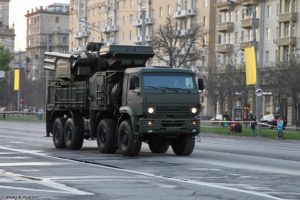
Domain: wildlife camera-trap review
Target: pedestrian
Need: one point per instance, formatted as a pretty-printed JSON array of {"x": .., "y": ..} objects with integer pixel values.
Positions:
[
  {"x": 279, "y": 129},
  {"x": 253, "y": 124}
]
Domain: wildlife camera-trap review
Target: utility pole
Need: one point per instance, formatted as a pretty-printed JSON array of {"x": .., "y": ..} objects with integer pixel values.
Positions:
[{"x": 257, "y": 97}]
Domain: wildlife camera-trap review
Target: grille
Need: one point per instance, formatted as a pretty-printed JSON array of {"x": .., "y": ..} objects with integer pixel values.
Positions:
[
  {"x": 172, "y": 123},
  {"x": 172, "y": 110}
]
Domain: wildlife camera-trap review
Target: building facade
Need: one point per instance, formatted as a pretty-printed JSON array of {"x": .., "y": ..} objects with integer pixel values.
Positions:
[
  {"x": 136, "y": 21},
  {"x": 7, "y": 33},
  {"x": 47, "y": 30},
  {"x": 273, "y": 24}
]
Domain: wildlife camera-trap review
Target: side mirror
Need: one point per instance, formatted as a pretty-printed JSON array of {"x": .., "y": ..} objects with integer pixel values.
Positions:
[{"x": 200, "y": 84}]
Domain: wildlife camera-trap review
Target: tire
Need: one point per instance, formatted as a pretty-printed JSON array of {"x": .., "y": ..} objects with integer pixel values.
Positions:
[
  {"x": 184, "y": 145},
  {"x": 58, "y": 133},
  {"x": 73, "y": 134},
  {"x": 158, "y": 145},
  {"x": 106, "y": 136},
  {"x": 128, "y": 144}
]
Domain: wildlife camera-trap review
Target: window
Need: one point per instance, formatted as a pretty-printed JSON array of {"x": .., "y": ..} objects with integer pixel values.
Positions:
[
  {"x": 131, "y": 3},
  {"x": 160, "y": 11},
  {"x": 237, "y": 15},
  {"x": 286, "y": 29},
  {"x": 287, "y": 5},
  {"x": 65, "y": 39},
  {"x": 57, "y": 19},
  {"x": 268, "y": 32},
  {"x": 169, "y": 10},
  {"x": 267, "y": 56},
  {"x": 204, "y": 20},
  {"x": 285, "y": 53},
  {"x": 129, "y": 35},
  {"x": 236, "y": 37},
  {"x": 268, "y": 12},
  {"x": 277, "y": 9}
]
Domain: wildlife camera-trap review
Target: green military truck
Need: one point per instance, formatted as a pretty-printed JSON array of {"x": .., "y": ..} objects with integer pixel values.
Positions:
[{"x": 103, "y": 93}]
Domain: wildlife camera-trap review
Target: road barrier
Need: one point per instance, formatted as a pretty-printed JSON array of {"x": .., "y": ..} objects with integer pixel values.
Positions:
[{"x": 5, "y": 114}]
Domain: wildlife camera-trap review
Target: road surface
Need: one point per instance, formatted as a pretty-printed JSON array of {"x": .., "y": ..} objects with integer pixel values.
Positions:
[{"x": 220, "y": 168}]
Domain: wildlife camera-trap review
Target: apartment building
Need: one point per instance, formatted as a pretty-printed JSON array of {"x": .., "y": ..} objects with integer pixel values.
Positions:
[
  {"x": 273, "y": 24},
  {"x": 7, "y": 33},
  {"x": 47, "y": 30}
]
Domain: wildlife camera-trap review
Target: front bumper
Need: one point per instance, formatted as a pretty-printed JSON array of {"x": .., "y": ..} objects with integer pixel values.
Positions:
[{"x": 168, "y": 126}]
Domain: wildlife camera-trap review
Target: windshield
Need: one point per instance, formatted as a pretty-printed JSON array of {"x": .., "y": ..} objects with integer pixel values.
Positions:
[{"x": 169, "y": 81}]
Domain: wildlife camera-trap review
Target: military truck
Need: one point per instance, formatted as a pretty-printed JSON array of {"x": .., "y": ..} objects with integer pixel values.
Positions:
[{"x": 106, "y": 93}]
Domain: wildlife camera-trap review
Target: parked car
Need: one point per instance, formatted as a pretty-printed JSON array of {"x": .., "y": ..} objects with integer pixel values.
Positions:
[
  {"x": 271, "y": 120},
  {"x": 218, "y": 117}
]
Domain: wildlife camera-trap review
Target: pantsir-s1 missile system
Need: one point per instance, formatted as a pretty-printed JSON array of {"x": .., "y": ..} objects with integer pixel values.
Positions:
[{"x": 107, "y": 93}]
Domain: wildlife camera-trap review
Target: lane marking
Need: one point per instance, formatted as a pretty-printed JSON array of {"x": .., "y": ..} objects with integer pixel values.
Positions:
[
  {"x": 194, "y": 182},
  {"x": 60, "y": 188},
  {"x": 22, "y": 164},
  {"x": 36, "y": 190}
]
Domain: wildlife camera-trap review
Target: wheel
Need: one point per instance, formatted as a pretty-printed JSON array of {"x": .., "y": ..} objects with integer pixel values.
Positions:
[
  {"x": 158, "y": 145},
  {"x": 58, "y": 133},
  {"x": 128, "y": 144},
  {"x": 73, "y": 134},
  {"x": 106, "y": 136},
  {"x": 184, "y": 145}
]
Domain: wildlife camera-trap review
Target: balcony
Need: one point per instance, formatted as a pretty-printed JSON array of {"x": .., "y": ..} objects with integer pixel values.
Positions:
[
  {"x": 81, "y": 35},
  {"x": 110, "y": 28},
  {"x": 287, "y": 17},
  {"x": 138, "y": 23},
  {"x": 148, "y": 38},
  {"x": 185, "y": 32},
  {"x": 225, "y": 27},
  {"x": 149, "y": 21},
  {"x": 138, "y": 40},
  {"x": 224, "y": 6},
  {"x": 224, "y": 48},
  {"x": 244, "y": 45},
  {"x": 248, "y": 23},
  {"x": 249, "y": 2},
  {"x": 185, "y": 13},
  {"x": 7, "y": 32},
  {"x": 286, "y": 41}
]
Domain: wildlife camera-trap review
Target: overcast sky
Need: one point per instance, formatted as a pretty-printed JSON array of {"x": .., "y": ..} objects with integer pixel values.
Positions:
[{"x": 18, "y": 8}]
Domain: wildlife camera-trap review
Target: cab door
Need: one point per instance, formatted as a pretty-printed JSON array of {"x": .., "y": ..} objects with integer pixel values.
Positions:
[{"x": 134, "y": 97}]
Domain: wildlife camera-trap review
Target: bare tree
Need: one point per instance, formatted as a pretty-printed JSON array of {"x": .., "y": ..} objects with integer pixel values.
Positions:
[{"x": 177, "y": 47}]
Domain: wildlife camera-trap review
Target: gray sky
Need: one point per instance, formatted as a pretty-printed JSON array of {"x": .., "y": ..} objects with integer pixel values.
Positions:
[{"x": 18, "y": 8}]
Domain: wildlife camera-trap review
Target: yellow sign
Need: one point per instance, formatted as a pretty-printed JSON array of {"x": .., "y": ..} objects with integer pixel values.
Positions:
[
  {"x": 17, "y": 80},
  {"x": 250, "y": 59}
]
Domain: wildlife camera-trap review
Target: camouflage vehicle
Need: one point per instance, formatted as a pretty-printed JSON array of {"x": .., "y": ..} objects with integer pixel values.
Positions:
[{"x": 103, "y": 93}]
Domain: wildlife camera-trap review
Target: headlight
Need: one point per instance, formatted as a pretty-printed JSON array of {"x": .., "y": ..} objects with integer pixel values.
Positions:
[
  {"x": 150, "y": 110},
  {"x": 194, "y": 110}
]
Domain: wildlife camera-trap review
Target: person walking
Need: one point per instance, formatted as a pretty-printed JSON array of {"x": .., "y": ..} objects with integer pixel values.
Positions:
[
  {"x": 279, "y": 129},
  {"x": 253, "y": 124}
]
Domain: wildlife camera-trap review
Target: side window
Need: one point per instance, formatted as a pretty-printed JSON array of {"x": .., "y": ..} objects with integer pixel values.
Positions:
[{"x": 134, "y": 82}]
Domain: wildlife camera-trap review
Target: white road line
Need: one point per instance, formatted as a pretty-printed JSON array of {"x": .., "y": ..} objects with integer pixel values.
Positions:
[
  {"x": 36, "y": 190},
  {"x": 60, "y": 188},
  {"x": 194, "y": 182},
  {"x": 22, "y": 164}
]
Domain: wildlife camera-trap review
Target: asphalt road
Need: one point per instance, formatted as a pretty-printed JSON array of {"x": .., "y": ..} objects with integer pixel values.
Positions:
[{"x": 220, "y": 168}]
